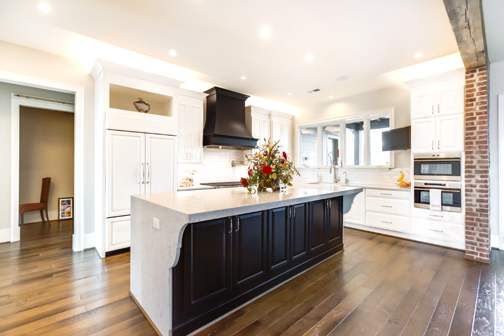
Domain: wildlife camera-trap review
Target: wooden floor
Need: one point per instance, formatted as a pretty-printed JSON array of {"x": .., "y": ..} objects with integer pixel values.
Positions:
[{"x": 378, "y": 286}]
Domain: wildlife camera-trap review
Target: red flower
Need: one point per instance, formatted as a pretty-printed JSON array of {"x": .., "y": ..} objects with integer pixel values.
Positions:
[
  {"x": 250, "y": 172},
  {"x": 284, "y": 155},
  {"x": 244, "y": 182},
  {"x": 267, "y": 170}
]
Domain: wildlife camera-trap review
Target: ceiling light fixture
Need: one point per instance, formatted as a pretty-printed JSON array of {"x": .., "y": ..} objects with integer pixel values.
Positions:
[
  {"x": 289, "y": 93},
  {"x": 309, "y": 58},
  {"x": 265, "y": 32},
  {"x": 331, "y": 97},
  {"x": 418, "y": 55},
  {"x": 44, "y": 7},
  {"x": 172, "y": 53},
  {"x": 243, "y": 77}
]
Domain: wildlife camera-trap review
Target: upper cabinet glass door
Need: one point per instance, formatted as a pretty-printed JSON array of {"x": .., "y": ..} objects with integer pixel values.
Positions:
[
  {"x": 377, "y": 157},
  {"x": 308, "y": 146}
]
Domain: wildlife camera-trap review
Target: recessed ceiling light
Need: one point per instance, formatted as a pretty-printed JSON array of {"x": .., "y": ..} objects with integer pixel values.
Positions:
[
  {"x": 289, "y": 93},
  {"x": 418, "y": 55},
  {"x": 243, "y": 77},
  {"x": 309, "y": 58},
  {"x": 265, "y": 32},
  {"x": 331, "y": 97},
  {"x": 172, "y": 53},
  {"x": 44, "y": 7}
]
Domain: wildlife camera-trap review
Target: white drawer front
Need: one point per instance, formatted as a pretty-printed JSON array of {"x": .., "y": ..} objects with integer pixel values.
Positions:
[
  {"x": 439, "y": 216},
  {"x": 383, "y": 193},
  {"x": 438, "y": 231},
  {"x": 387, "y": 222},
  {"x": 400, "y": 207},
  {"x": 118, "y": 233}
]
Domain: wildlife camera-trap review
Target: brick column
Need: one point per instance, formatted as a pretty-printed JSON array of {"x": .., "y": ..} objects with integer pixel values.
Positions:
[{"x": 477, "y": 228}]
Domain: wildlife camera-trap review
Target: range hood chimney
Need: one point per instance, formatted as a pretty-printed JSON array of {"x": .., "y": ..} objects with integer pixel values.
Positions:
[{"x": 225, "y": 120}]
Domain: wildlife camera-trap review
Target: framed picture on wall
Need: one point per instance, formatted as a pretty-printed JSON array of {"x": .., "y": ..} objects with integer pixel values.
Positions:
[{"x": 65, "y": 208}]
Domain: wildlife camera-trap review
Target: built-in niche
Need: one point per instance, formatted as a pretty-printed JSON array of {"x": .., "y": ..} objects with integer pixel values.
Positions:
[{"x": 123, "y": 98}]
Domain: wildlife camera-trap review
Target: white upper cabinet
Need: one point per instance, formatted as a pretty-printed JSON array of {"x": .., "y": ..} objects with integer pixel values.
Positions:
[
  {"x": 190, "y": 129},
  {"x": 125, "y": 170},
  {"x": 437, "y": 113},
  {"x": 423, "y": 135},
  {"x": 281, "y": 130},
  {"x": 450, "y": 133},
  {"x": 264, "y": 124}
]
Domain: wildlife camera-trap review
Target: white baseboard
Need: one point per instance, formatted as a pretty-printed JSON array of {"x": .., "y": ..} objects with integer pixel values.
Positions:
[
  {"x": 4, "y": 235},
  {"x": 89, "y": 240}
]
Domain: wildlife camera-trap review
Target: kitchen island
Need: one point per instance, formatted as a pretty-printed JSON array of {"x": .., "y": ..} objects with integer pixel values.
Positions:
[{"x": 197, "y": 255}]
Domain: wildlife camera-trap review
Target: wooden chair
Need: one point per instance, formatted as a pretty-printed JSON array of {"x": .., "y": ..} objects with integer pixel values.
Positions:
[{"x": 41, "y": 206}]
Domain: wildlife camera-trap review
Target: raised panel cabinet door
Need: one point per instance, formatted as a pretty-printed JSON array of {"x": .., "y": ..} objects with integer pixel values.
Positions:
[
  {"x": 423, "y": 104},
  {"x": 261, "y": 127},
  {"x": 160, "y": 160},
  {"x": 450, "y": 133},
  {"x": 281, "y": 130},
  {"x": 249, "y": 250},
  {"x": 118, "y": 233},
  {"x": 451, "y": 101},
  {"x": 125, "y": 171},
  {"x": 190, "y": 132},
  {"x": 423, "y": 135},
  {"x": 299, "y": 233},
  {"x": 202, "y": 279},
  {"x": 279, "y": 232},
  {"x": 335, "y": 221},
  {"x": 317, "y": 226}
]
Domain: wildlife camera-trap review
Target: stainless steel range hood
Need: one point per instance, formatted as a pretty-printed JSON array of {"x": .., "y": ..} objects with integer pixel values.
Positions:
[{"x": 225, "y": 121}]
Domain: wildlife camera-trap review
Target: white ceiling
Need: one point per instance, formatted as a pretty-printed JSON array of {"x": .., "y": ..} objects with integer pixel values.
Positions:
[
  {"x": 356, "y": 40},
  {"x": 493, "y": 13}
]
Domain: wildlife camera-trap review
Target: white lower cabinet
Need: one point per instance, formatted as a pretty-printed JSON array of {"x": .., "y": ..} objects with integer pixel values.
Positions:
[
  {"x": 387, "y": 221},
  {"x": 441, "y": 228},
  {"x": 118, "y": 233},
  {"x": 388, "y": 209}
]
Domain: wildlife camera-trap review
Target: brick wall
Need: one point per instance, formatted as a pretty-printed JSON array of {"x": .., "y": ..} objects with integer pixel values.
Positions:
[{"x": 477, "y": 228}]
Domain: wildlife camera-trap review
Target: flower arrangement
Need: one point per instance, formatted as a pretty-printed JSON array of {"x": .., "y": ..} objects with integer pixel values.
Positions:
[{"x": 268, "y": 168}]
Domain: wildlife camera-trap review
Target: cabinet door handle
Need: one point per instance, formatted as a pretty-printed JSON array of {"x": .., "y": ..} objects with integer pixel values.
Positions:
[
  {"x": 329, "y": 204},
  {"x": 438, "y": 144},
  {"x": 432, "y": 144},
  {"x": 147, "y": 173},
  {"x": 237, "y": 228},
  {"x": 140, "y": 173},
  {"x": 438, "y": 109},
  {"x": 230, "y": 225},
  {"x": 432, "y": 109}
]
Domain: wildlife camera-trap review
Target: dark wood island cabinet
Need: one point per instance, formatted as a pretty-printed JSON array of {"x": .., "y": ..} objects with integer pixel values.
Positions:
[{"x": 228, "y": 261}]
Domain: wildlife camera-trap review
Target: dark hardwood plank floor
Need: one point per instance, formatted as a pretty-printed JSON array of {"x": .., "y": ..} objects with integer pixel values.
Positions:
[{"x": 378, "y": 286}]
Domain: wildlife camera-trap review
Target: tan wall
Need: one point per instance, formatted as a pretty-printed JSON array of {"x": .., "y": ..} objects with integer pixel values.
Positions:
[{"x": 46, "y": 150}]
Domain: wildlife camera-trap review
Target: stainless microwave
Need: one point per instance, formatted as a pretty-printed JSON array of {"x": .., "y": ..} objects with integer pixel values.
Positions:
[
  {"x": 450, "y": 195},
  {"x": 441, "y": 168}
]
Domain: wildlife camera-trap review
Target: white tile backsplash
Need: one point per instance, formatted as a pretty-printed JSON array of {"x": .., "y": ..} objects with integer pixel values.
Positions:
[
  {"x": 380, "y": 176},
  {"x": 216, "y": 166}
]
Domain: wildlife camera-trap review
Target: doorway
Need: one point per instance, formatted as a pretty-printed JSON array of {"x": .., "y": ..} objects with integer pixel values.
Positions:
[{"x": 46, "y": 169}]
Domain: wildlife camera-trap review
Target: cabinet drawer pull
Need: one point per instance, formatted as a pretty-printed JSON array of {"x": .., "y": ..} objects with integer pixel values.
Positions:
[
  {"x": 386, "y": 222},
  {"x": 386, "y": 206},
  {"x": 436, "y": 216},
  {"x": 386, "y": 194},
  {"x": 436, "y": 230}
]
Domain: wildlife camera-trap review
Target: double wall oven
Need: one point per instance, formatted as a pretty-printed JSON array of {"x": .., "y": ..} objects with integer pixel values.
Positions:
[{"x": 438, "y": 182}]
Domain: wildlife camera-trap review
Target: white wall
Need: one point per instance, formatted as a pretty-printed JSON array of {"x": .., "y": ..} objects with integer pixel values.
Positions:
[
  {"x": 395, "y": 97},
  {"x": 29, "y": 65},
  {"x": 496, "y": 88}
]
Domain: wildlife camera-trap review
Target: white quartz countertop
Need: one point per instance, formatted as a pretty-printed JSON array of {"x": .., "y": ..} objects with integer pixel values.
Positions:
[{"x": 206, "y": 204}]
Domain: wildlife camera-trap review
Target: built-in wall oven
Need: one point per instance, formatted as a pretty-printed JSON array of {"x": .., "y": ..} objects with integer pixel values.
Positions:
[
  {"x": 437, "y": 168},
  {"x": 442, "y": 195}
]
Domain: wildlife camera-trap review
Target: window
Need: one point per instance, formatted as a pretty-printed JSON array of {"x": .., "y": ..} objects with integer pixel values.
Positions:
[
  {"x": 331, "y": 142},
  {"x": 378, "y": 157},
  {"x": 308, "y": 146},
  {"x": 354, "y": 138}
]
